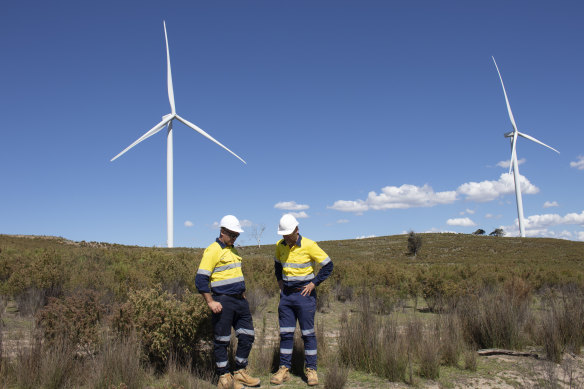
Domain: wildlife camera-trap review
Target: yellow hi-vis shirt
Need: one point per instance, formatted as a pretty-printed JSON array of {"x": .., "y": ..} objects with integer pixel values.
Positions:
[
  {"x": 299, "y": 261},
  {"x": 221, "y": 264}
]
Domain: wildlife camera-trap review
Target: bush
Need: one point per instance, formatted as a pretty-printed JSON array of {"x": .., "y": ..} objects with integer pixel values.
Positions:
[
  {"x": 414, "y": 243},
  {"x": 165, "y": 324},
  {"x": 74, "y": 318}
]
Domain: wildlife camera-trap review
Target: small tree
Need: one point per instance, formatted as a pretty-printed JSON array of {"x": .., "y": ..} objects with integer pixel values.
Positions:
[
  {"x": 414, "y": 243},
  {"x": 497, "y": 232},
  {"x": 480, "y": 231},
  {"x": 256, "y": 233}
]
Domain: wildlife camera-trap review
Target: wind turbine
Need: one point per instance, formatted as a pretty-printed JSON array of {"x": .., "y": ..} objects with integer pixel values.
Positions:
[
  {"x": 167, "y": 121},
  {"x": 513, "y": 163}
]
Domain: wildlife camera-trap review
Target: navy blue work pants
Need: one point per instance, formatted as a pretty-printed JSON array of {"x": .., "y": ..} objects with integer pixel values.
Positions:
[
  {"x": 236, "y": 314},
  {"x": 293, "y": 306}
]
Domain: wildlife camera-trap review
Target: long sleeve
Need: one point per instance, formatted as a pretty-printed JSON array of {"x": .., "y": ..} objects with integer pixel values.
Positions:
[{"x": 323, "y": 273}]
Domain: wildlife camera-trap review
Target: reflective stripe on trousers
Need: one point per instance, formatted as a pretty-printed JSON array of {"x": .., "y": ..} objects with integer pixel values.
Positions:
[{"x": 292, "y": 307}]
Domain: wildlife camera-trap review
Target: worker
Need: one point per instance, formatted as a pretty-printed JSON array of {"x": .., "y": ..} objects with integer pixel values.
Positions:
[
  {"x": 294, "y": 263},
  {"x": 221, "y": 266}
]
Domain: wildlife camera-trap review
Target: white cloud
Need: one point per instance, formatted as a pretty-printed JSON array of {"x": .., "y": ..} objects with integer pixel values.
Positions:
[
  {"x": 189, "y": 223},
  {"x": 538, "y": 225},
  {"x": 365, "y": 236},
  {"x": 565, "y": 234},
  {"x": 581, "y": 235},
  {"x": 548, "y": 220},
  {"x": 215, "y": 225},
  {"x": 299, "y": 215},
  {"x": 549, "y": 204},
  {"x": 291, "y": 206},
  {"x": 490, "y": 190},
  {"x": 393, "y": 197},
  {"x": 579, "y": 164},
  {"x": 506, "y": 164},
  {"x": 246, "y": 223},
  {"x": 411, "y": 196},
  {"x": 461, "y": 222},
  {"x": 342, "y": 221}
]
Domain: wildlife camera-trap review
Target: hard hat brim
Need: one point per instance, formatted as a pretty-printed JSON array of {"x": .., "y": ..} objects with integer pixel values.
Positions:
[{"x": 286, "y": 232}]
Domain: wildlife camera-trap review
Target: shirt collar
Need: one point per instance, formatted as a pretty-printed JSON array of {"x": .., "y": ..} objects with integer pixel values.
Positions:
[
  {"x": 223, "y": 245},
  {"x": 298, "y": 242}
]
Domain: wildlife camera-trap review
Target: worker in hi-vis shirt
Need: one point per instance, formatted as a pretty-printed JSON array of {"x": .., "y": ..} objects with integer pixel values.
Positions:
[
  {"x": 221, "y": 267},
  {"x": 295, "y": 263}
]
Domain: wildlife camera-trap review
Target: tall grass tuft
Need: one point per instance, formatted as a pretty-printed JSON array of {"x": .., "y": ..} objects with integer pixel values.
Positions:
[
  {"x": 562, "y": 323},
  {"x": 494, "y": 318},
  {"x": 179, "y": 375},
  {"x": 373, "y": 345},
  {"x": 336, "y": 375},
  {"x": 450, "y": 339},
  {"x": 118, "y": 362},
  {"x": 430, "y": 354},
  {"x": 49, "y": 367}
]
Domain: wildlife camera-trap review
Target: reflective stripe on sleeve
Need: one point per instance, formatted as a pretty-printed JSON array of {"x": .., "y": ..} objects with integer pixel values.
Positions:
[
  {"x": 226, "y": 282},
  {"x": 204, "y": 272},
  {"x": 327, "y": 260},
  {"x": 276, "y": 260}
]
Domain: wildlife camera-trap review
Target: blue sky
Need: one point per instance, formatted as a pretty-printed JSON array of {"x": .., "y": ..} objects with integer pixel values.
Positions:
[{"x": 364, "y": 118}]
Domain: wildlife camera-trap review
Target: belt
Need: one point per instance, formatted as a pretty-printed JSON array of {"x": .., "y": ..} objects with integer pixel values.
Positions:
[
  {"x": 292, "y": 290},
  {"x": 236, "y": 296}
]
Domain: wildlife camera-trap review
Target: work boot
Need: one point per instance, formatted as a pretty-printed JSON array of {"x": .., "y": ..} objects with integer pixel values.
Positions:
[
  {"x": 226, "y": 382},
  {"x": 281, "y": 376},
  {"x": 311, "y": 376},
  {"x": 243, "y": 377}
]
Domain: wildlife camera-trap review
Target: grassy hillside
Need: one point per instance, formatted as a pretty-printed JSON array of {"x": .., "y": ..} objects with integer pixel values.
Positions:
[{"x": 383, "y": 314}]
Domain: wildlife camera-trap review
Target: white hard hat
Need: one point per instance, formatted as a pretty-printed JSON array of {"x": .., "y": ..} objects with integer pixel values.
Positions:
[
  {"x": 231, "y": 223},
  {"x": 288, "y": 224}
]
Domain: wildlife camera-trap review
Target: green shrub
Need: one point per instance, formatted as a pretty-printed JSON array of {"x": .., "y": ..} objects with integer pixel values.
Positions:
[
  {"x": 165, "y": 324},
  {"x": 74, "y": 318}
]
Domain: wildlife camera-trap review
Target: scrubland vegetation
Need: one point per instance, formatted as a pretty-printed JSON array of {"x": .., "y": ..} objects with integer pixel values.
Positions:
[{"x": 95, "y": 315}]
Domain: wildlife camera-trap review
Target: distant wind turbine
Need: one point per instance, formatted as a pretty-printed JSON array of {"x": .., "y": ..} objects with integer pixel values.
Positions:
[
  {"x": 167, "y": 121},
  {"x": 513, "y": 163}
]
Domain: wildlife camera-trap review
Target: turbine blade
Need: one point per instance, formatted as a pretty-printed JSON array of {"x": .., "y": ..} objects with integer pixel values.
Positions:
[
  {"x": 536, "y": 141},
  {"x": 200, "y": 131},
  {"x": 148, "y": 134},
  {"x": 169, "y": 74},
  {"x": 506, "y": 99}
]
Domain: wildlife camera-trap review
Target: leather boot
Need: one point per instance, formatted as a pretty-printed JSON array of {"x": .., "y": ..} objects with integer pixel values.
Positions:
[
  {"x": 243, "y": 377},
  {"x": 281, "y": 376}
]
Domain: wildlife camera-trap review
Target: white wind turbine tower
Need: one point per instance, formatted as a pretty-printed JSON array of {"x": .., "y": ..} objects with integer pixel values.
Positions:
[
  {"x": 513, "y": 163},
  {"x": 167, "y": 121}
]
